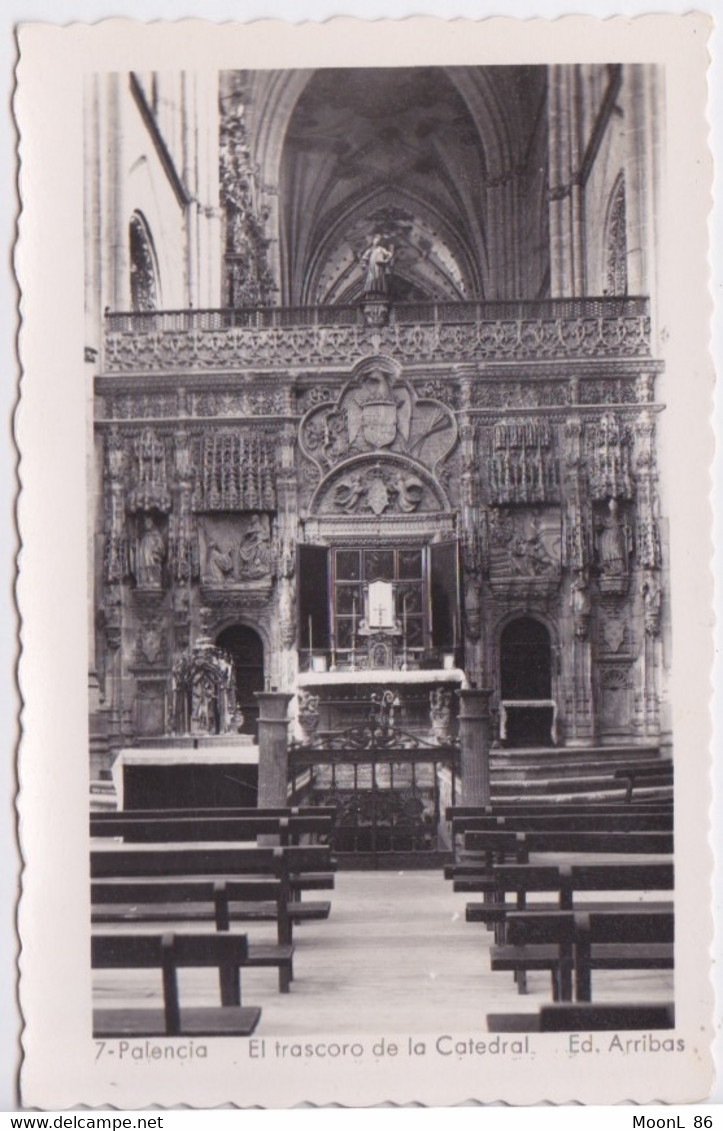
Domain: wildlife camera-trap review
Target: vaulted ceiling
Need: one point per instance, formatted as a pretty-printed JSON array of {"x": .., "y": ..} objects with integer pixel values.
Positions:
[{"x": 424, "y": 156}]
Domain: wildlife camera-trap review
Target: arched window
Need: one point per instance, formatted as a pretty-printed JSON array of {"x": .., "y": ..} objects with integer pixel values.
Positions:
[
  {"x": 144, "y": 272},
  {"x": 616, "y": 242}
]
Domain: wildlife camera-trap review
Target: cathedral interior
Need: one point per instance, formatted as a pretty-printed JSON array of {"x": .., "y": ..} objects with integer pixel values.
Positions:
[{"x": 373, "y": 356}]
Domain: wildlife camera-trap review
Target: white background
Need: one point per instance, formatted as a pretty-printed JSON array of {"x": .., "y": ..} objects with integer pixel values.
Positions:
[{"x": 65, "y": 11}]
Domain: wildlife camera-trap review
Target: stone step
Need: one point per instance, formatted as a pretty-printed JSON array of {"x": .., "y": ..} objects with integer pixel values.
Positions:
[
  {"x": 102, "y": 796},
  {"x": 538, "y": 754},
  {"x": 553, "y": 785},
  {"x": 643, "y": 793},
  {"x": 558, "y": 769}
]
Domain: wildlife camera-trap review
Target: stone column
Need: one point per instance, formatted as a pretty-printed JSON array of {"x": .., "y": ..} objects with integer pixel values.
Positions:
[
  {"x": 474, "y": 739},
  {"x": 273, "y": 748}
]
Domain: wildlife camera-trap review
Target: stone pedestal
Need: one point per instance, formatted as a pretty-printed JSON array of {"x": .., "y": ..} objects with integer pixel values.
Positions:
[
  {"x": 474, "y": 738},
  {"x": 273, "y": 748}
]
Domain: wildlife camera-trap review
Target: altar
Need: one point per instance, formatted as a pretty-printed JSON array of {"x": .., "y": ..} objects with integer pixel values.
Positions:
[{"x": 341, "y": 698}]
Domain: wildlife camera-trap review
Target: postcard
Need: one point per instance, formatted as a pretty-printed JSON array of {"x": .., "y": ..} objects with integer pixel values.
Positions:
[{"x": 365, "y": 442}]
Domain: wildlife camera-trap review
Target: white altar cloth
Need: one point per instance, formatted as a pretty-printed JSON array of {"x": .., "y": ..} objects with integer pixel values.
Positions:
[{"x": 381, "y": 676}]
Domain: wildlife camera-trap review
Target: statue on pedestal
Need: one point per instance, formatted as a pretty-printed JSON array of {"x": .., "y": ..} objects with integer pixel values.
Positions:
[{"x": 377, "y": 261}]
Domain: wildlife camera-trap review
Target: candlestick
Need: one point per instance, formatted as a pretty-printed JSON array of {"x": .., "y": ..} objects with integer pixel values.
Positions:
[
  {"x": 454, "y": 633},
  {"x": 404, "y": 637},
  {"x": 311, "y": 645},
  {"x": 353, "y": 632}
]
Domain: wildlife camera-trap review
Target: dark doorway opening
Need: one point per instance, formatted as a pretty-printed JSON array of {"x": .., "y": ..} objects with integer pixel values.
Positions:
[
  {"x": 247, "y": 652},
  {"x": 526, "y": 677}
]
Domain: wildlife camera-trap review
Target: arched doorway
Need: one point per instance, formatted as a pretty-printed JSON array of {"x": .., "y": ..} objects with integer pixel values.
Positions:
[
  {"x": 526, "y": 678},
  {"x": 247, "y": 652}
]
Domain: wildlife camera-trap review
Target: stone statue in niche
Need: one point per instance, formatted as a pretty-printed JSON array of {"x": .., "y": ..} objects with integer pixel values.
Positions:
[
  {"x": 377, "y": 262},
  {"x": 652, "y": 600},
  {"x": 150, "y": 555},
  {"x": 580, "y": 603},
  {"x": 614, "y": 544}
]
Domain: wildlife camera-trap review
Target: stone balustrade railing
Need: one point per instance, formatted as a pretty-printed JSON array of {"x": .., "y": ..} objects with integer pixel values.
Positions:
[{"x": 307, "y": 335}]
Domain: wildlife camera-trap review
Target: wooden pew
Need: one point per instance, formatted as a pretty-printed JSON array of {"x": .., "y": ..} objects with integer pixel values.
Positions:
[
  {"x": 301, "y": 868},
  {"x": 203, "y": 901},
  {"x": 564, "y": 880},
  {"x": 624, "y": 939},
  {"x": 485, "y": 849},
  {"x": 168, "y": 953},
  {"x": 198, "y": 829},
  {"x": 167, "y": 862},
  {"x": 125, "y": 870},
  {"x": 161, "y": 826},
  {"x": 329, "y": 811},
  {"x": 547, "y": 808},
  {"x": 621, "y": 821},
  {"x": 521, "y": 844},
  {"x": 586, "y": 1017}
]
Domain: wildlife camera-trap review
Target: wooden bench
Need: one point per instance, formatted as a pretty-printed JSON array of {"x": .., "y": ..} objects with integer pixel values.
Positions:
[
  {"x": 582, "y": 941},
  {"x": 586, "y": 1017},
  {"x": 127, "y": 878},
  {"x": 159, "y": 830},
  {"x": 564, "y": 880},
  {"x": 546, "y": 808},
  {"x": 166, "y": 862},
  {"x": 521, "y": 844},
  {"x": 168, "y": 953},
  {"x": 328, "y": 811},
  {"x": 622, "y": 821},
  {"x": 201, "y": 901},
  {"x": 487, "y": 849}
]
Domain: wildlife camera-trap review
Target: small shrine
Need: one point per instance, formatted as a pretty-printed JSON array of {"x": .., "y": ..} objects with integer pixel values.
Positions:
[{"x": 204, "y": 692}]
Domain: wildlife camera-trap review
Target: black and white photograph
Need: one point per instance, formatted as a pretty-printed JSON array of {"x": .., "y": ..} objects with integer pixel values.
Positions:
[{"x": 377, "y": 458}]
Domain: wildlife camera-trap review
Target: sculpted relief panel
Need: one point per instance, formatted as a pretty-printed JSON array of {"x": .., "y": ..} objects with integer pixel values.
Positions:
[
  {"x": 380, "y": 487},
  {"x": 235, "y": 548},
  {"x": 525, "y": 548}
]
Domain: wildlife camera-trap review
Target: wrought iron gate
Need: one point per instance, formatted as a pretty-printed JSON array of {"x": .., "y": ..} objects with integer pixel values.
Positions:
[{"x": 389, "y": 787}]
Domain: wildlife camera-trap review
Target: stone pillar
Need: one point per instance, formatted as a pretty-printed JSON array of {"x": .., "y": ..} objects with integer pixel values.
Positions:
[
  {"x": 273, "y": 748},
  {"x": 474, "y": 740}
]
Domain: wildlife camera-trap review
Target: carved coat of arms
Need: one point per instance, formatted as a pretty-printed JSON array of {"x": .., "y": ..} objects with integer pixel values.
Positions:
[{"x": 379, "y": 423}]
